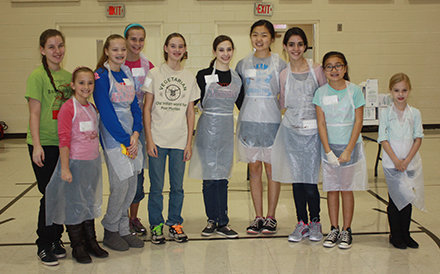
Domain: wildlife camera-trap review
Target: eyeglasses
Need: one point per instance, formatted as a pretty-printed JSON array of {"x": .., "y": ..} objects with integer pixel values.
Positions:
[{"x": 338, "y": 67}]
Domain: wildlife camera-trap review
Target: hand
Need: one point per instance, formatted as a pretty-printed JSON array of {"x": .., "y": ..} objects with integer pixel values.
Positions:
[
  {"x": 345, "y": 156},
  {"x": 332, "y": 159},
  {"x": 152, "y": 149},
  {"x": 66, "y": 175},
  {"x": 133, "y": 148},
  {"x": 38, "y": 156},
  {"x": 187, "y": 152},
  {"x": 400, "y": 165},
  {"x": 93, "y": 135}
]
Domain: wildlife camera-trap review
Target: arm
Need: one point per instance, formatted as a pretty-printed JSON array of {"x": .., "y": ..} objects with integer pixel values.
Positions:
[
  {"x": 415, "y": 147},
  {"x": 358, "y": 120},
  {"x": 66, "y": 175},
  {"x": 151, "y": 146},
  {"x": 34, "y": 125},
  {"x": 137, "y": 127},
  {"x": 283, "y": 78},
  {"x": 322, "y": 129},
  {"x": 190, "y": 119}
]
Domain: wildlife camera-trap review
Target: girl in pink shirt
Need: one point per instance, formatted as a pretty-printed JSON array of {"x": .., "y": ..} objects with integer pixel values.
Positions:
[{"x": 74, "y": 193}]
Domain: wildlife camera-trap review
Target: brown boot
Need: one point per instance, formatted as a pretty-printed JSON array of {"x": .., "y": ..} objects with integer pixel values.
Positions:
[
  {"x": 91, "y": 243},
  {"x": 79, "y": 251}
]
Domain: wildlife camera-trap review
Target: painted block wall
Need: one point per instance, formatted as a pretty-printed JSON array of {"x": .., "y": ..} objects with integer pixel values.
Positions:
[{"x": 379, "y": 38}]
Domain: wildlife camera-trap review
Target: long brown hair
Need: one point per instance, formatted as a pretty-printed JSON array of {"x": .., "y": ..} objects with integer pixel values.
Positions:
[
  {"x": 219, "y": 39},
  {"x": 104, "y": 56},
  {"x": 44, "y": 36}
]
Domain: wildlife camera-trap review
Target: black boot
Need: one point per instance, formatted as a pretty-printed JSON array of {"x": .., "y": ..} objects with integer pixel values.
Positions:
[
  {"x": 396, "y": 235},
  {"x": 77, "y": 242},
  {"x": 91, "y": 243}
]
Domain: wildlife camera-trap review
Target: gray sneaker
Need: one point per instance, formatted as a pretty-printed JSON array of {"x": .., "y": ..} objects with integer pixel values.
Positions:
[
  {"x": 301, "y": 231},
  {"x": 315, "y": 231},
  {"x": 114, "y": 241},
  {"x": 133, "y": 241}
]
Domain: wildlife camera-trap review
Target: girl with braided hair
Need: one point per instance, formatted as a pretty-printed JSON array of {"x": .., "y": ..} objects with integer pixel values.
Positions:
[{"x": 47, "y": 88}]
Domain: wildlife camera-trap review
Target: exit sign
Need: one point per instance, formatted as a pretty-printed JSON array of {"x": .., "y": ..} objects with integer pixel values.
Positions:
[
  {"x": 263, "y": 9},
  {"x": 115, "y": 10}
]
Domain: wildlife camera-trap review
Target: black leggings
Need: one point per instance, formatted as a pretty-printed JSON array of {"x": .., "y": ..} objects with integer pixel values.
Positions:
[
  {"x": 46, "y": 234},
  {"x": 303, "y": 195},
  {"x": 399, "y": 221}
]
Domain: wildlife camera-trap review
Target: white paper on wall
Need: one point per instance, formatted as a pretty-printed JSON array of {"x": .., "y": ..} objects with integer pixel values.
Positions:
[{"x": 371, "y": 93}]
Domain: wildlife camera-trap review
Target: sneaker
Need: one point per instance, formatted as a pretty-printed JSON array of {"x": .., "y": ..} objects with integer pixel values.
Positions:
[
  {"x": 177, "y": 234},
  {"x": 256, "y": 226},
  {"x": 332, "y": 237},
  {"x": 315, "y": 231},
  {"x": 269, "y": 226},
  {"x": 47, "y": 257},
  {"x": 227, "y": 232},
  {"x": 58, "y": 249},
  {"x": 157, "y": 234},
  {"x": 345, "y": 239},
  {"x": 137, "y": 227},
  {"x": 301, "y": 231},
  {"x": 209, "y": 230}
]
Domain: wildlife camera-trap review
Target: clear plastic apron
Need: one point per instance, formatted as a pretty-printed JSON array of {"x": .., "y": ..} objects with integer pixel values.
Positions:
[
  {"x": 121, "y": 97},
  {"x": 340, "y": 118},
  {"x": 260, "y": 114},
  {"x": 296, "y": 153},
  {"x": 72, "y": 203},
  {"x": 404, "y": 187},
  {"x": 139, "y": 75},
  {"x": 214, "y": 142}
]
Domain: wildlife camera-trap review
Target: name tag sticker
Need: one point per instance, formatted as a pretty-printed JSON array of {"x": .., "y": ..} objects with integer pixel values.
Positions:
[
  {"x": 310, "y": 124},
  {"x": 85, "y": 126},
  {"x": 138, "y": 72},
  {"x": 330, "y": 100},
  {"x": 128, "y": 82},
  {"x": 211, "y": 78},
  {"x": 250, "y": 73}
]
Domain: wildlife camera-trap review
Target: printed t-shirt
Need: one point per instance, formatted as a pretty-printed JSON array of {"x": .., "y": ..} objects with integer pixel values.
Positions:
[
  {"x": 173, "y": 91},
  {"x": 39, "y": 87}
]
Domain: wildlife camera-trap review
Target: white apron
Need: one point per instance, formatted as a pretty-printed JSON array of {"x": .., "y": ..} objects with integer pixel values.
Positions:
[
  {"x": 404, "y": 187},
  {"x": 296, "y": 153},
  {"x": 340, "y": 117},
  {"x": 260, "y": 114},
  {"x": 213, "y": 148},
  {"x": 139, "y": 75},
  {"x": 121, "y": 97},
  {"x": 72, "y": 203}
]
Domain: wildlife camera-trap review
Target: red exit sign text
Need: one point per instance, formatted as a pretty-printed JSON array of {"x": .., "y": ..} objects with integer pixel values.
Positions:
[
  {"x": 263, "y": 9},
  {"x": 115, "y": 10}
]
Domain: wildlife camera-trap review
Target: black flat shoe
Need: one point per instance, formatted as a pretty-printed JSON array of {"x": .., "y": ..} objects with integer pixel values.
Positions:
[{"x": 411, "y": 243}]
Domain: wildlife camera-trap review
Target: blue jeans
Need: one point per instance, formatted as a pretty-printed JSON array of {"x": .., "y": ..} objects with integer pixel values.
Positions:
[
  {"x": 156, "y": 170},
  {"x": 139, "y": 189},
  {"x": 215, "y": 196}
]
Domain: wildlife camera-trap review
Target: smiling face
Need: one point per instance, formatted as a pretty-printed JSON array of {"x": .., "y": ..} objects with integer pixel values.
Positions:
[
  {"x": 224, "y": 53},
  {"x": 400, "y": 92},
  {"x": 261, "y": 38},
  {"x": 54, "y": 51},
  {"x": 135, "y": 41},
  {"x": 83, "y": 85},
  {"x": 295, "y": 47},
  {"x": 334, "y": 69},
  {"x": 116, "y": 52},
  {"x": 175, "y": 49}
]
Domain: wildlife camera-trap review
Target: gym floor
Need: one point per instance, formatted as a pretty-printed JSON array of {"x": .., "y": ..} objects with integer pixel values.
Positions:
[{"x": 370, "y": 253}]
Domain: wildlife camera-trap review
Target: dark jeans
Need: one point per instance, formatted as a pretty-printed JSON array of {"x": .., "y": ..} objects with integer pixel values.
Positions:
[
  {"x": 215, "y": 196},
  {"x": 399, "y": 221},
  {"x": 46, "y": 234},
  {"x": 306, "y": 195}
]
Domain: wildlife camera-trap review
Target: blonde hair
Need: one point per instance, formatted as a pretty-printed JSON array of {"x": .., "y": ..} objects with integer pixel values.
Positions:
[{"x": 399, "y": 77}]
